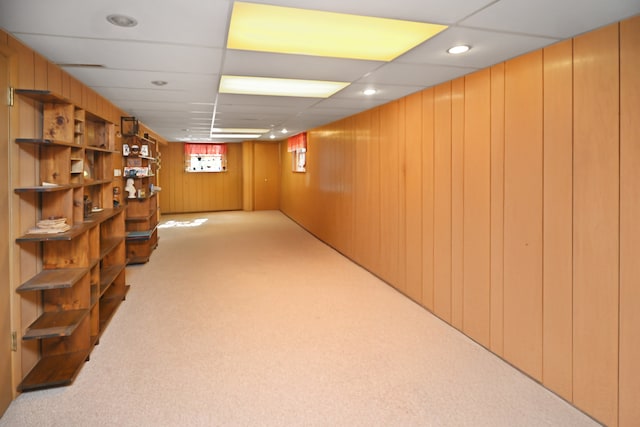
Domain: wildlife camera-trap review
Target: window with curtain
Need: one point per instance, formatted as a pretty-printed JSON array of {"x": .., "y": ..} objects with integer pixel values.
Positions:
[
  {"x": 205, "y": 157},
  {"x": 297, "y": 146}
]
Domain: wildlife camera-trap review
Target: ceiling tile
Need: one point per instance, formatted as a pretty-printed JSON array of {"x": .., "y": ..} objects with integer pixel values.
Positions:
[
  {"x": 487, "y": 48},
  {"x": 552, "y": 18}
]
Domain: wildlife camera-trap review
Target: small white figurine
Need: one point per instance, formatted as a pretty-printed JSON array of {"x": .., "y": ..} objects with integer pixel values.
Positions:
[{"x": 130, "y": 188}]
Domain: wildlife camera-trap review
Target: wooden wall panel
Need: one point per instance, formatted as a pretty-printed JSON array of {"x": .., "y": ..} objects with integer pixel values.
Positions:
[
  {"x": 457, "y": 201},
  {"x": 558, "y": 219},
  {"x": 497, "y": 209},
  {"x": 442, "y": 203},
  {"x": 477, "y": 208},
  {"x": 427, "y": 198},
  {"x": 368, "y": 134},
  {"x": 197, "y": 192},
  {"x": 523, "y": 214},
  {"x": 54, "y": 78},
  {"x": 629, "y": 230},
  {"x": 595, "y": 217},
  {"x": 413, "y": 197},
  {"x": 26, "y": 69},
  {"x": 40, "y": 72},
  {"x": 389, "y": 189}
]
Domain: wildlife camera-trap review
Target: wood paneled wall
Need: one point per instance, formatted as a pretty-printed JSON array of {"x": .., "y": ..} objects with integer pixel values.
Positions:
[
  {"x": 199, "y": 192},
  {"x": 30, "y": 70},
  {"x": 505, "y": 202}
]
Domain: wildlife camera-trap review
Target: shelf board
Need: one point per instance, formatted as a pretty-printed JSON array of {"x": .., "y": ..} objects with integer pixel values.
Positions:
[
  {"x": 103, "y": 215},
  {"x": 42, "y": 96},
  {"x": 108, "y": 307},
  {"x": 43, "y": 141},
  {"x": 138, "y": 259},
  {"x": 100, "y": 149},
  {"x": 55, "y": 324},
  {"x": 90, "y": 182},
  {"x": 57, "y": 278},
  {"x": 140, "y": 235},
  {"x": 54, "y": 371},
  {"x": 46, "y": 188},
  {"x": 107, "y": 245},
  {"x": 108, "y": 275},
  {"x": 75, "y": 231}
]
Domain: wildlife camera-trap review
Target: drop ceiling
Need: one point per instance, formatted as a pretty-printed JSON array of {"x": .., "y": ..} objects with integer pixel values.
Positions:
[{"x": 184, "y": 44}]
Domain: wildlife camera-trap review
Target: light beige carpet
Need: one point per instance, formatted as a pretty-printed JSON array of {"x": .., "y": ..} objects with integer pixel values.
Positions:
[{"x": 248, "y": 320}]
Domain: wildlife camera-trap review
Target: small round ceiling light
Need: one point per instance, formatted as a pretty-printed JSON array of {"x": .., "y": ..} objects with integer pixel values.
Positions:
[
  {"x": 284, "y": 130},
  {"x": 159, "y": 82},
  {"x": 457, "y": 50},
  {"x": 122, "y": 20},
  {"x": 369, "y": 92}
]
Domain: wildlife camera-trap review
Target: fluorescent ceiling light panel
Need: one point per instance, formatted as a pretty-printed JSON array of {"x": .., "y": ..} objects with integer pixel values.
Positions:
[
  {"x": 245, "y": 85},
  {"x": 267, "y": 28},
  {"x": 235, "y": 135},
  {"x": 238, "y": 130}
]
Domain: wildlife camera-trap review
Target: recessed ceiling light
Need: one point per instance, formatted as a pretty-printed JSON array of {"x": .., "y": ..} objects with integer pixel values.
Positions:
[
  {"x": 369, "y": 92},
  {"x": 159, "y": 82},
  {"x": 278, "y": 29},
  {"x": 272, "y": 136},
  {"x": 244, "y": 85},
  {"x": 122, "y": 20},
  {"x": 456, "y": 50},
  {"x": 284, "y": 130}
]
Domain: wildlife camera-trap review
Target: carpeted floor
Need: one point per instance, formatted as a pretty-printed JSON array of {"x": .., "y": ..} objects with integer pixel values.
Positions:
[{"x": 245, "y": 319}]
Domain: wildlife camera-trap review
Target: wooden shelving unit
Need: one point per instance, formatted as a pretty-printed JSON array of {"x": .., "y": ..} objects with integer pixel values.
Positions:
[
  {"x": 141, "y": 165},
  {"x": 81, "y": 275}
]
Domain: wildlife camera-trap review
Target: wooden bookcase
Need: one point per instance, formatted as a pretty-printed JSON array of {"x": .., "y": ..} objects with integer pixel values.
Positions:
[
  {"x": 140, "y": 154},
  {"x": 81, "y": 271}
]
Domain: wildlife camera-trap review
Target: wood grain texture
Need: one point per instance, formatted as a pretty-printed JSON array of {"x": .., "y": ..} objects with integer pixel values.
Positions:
[
  {"x": 497, "y": 209},
  {"x": 523, "y": 214},
  {"x": 442, "y": 203},
  {"x": 413, "y": 197},
  {"x": 427, "y": 197},
  {"x": 196, "y": 192},
  {"x": 389, "y": 194},
  {"x": 558, "y": 219},
  {"x": 477, "y": 208},
  {"x": 595, "y": 219},
  {"x": 629, "y": 414},
  {"x": 266, "y": 177}
]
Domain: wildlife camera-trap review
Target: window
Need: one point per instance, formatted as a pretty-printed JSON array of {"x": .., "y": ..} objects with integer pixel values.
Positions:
[
  {"x": 205, "y": 157},
  {"x": 297, "y": 146}
]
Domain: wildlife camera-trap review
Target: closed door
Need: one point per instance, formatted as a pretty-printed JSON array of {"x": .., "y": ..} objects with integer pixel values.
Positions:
[
  {"x": 6, "y": 394},
  {"x": 266, "y": 166}
]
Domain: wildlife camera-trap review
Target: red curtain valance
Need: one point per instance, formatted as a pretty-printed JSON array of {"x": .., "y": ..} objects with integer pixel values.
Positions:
[
  {"x": 297, "y": 142},
  {"x": 205, "y": 149}
]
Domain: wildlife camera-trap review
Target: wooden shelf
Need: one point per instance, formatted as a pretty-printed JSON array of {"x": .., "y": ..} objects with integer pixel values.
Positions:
[
  {"x": 108, "y": 307},
  {"x": 140, "y": 235},
  {"x": 51, "y": 142},
  {"x": 75, "y": 153},
  {"x": 46, "y": 188},
  {"x": 58, "y": 278},
  {"x": 101, "y": 149},
  {"x": 55, "y": 324},
  {"x": 103, "y": 215},
  {"x": 108, "y": 275},
  {"x": 42, "y": 96},
  {"x": 75, "y": 231},
  {"x": 107, "y": 245},
  {"x": 54, "y": 371}
]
